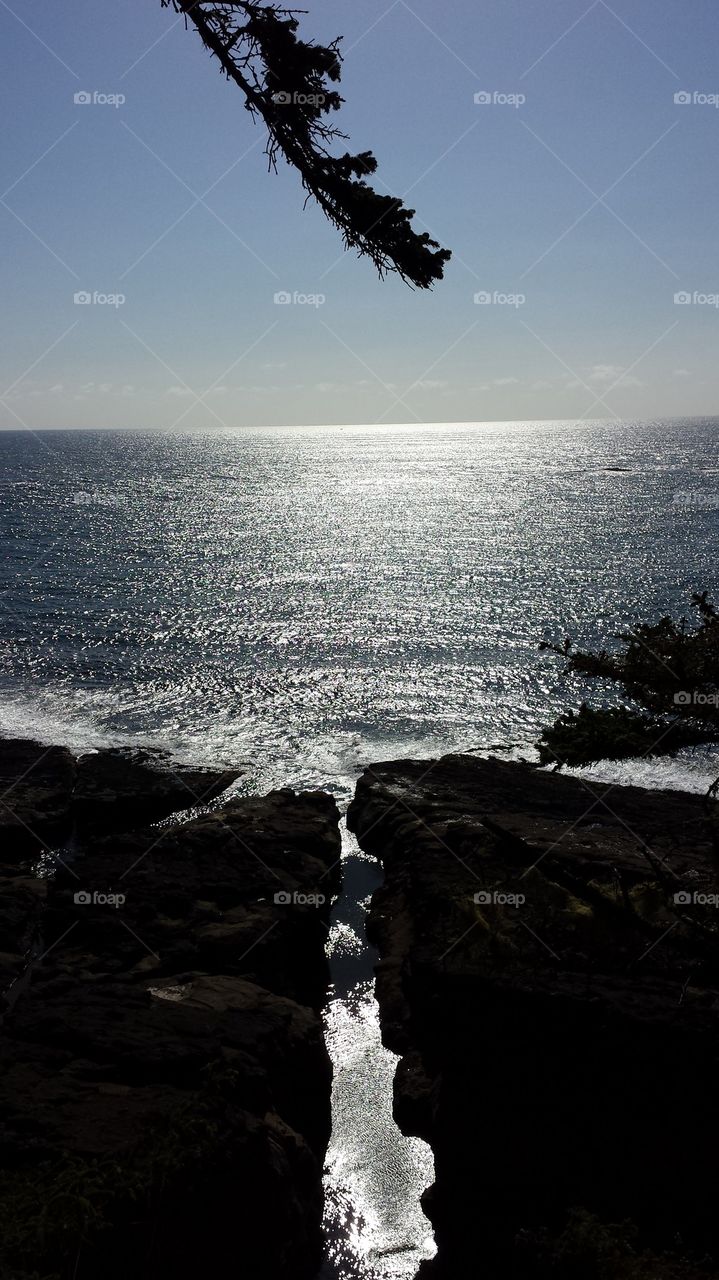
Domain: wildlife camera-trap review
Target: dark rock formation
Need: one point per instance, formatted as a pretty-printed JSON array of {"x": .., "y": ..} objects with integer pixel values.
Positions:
[
  {"x": 550, "y": 972},
  {"x": 44, "y": 790},
  {"x": 201, "y": 896},
  {"x": 164, "y": 1084},
  {"x": 36, "y": 784},
  {"x": 143, "y": 781}
]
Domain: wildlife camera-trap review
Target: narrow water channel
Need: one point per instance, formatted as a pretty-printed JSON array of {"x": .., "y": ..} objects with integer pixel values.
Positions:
[{"x": 374, "y": 1176}]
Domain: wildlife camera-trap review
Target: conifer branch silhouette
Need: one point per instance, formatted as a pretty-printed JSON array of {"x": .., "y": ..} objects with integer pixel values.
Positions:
[{"x": 290, "y": 84}]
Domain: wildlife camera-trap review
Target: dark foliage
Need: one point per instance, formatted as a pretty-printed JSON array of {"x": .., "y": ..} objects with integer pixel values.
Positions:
[
  {"x": 290, "y": 83},
  {"x": 668, "y": 669},
  {"x": 612, "y": 733}
]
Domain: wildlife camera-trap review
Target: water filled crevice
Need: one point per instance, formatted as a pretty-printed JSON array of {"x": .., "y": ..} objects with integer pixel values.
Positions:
[{"x": 374, "y": 1176}]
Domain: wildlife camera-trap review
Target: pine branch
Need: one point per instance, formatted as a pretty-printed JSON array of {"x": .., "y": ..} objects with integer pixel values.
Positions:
[{"x": 288, "y": 83}]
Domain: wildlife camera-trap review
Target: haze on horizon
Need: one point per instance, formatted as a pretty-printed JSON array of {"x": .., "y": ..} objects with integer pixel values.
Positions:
[{"x": 577, "y": 194}]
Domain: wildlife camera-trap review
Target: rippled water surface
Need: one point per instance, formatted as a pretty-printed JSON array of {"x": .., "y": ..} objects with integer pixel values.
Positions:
[
  {"x": 306, "y": 597},
  {"x": 309, "y": 600}
]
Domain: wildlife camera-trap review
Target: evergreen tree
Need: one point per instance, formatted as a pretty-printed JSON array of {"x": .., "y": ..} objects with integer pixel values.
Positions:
[
  {"x": 667, "y": 670},
  {"x": 290, "y": 84}
]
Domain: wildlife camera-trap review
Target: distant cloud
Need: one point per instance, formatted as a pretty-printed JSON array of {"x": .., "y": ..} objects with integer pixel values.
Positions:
[
  {"x": 604, "y": 375},
  {"x": 432, "y": 384},
  {"x": 178, "y": 391},
  {"x": 681, "y": 373},
  {"x": 506, "y": 382},
  {"x": 541, "y": 386},
  {"x": 78, "y": 391},
  {"x": 273, "y": 364},
  {"x": 612, "y": 373}
]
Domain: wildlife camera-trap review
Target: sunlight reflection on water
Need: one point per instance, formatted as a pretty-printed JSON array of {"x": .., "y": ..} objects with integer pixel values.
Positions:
[
  {"x": 375, "y": 1176},
  {"x": 302, "y": 603}
]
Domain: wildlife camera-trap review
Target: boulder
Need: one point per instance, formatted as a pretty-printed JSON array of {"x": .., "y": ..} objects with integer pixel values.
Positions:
[
  {"x": 201, "y": 895},
  {"x": 164, "y": 1083},
  {"x": 150, "y": 1136},
  {"x": 119, "y": 788},
  {"x": 36, "y": 784},
  {"x": 550, "y": 972}
]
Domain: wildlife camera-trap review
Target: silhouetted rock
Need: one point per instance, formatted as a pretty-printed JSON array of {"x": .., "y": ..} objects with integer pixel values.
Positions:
[
  {"x": 164, "y": 1084},
  {"x": 36, "y": 784},
  {"x": 123, "y": 787},
  {"x": 556, "y": 1006},
  {"x": 201, "y": 895},
  {"x": 22, "y": 903}
]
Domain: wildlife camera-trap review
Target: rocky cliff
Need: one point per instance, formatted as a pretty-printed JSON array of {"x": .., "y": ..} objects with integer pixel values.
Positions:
[
  {"x": 550, "y": 975},
  {"x": 164, "y": 1084}
]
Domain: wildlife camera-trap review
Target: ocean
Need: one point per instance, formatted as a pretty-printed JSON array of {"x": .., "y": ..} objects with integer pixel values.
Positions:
[
  {"x": 308, "y": 599},
  {"x": 304, "y": 601}
]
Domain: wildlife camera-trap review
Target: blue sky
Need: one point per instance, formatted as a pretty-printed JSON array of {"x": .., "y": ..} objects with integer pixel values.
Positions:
[{"x": 581, "y": 318}]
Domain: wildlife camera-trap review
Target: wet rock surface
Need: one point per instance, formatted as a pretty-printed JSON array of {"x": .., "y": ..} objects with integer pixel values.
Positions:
[
  {"x": 164, "y": 1084},
  {"x": 550, "y": 973}
]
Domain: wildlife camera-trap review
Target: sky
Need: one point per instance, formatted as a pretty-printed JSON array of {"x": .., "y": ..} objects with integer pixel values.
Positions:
[{"x": 566, "y": 152}]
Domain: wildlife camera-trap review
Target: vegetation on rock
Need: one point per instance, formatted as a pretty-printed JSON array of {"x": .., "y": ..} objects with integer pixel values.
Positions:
[{"x": 667, "y": 670}]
